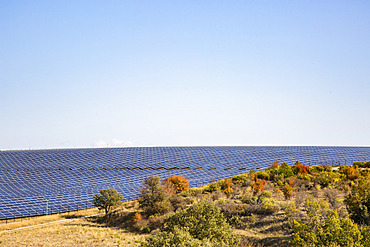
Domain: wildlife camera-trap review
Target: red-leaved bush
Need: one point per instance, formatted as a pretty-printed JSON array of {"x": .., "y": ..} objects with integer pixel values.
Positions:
[
  {"x": 179, "y": 182},
  {"x": 299, "y": 168}
]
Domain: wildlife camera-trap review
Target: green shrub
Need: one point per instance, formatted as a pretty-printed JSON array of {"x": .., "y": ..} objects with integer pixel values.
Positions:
[
  {"x": 320, "y": 168},
  {"x": 191, "y": 192},
  {"x": 358, "y": 163},
  {"x": 155, "y": 221},
  {"x": 177, "y": 202},
  {"x": 221, "y": 201},
  {"x": 248, "y": 198},
  {"x": 263, "y": 175},
  {"x": 365, "y": 231},
  {"x": 161, "y": 207},
  {"x": 272, "y": 171},
  {"x": 201, "y": 222},
  {"x": 235, "y": 221},
  {"x": 323, "y": 227},
  {"x": 334, "y": 231},
  {"x": 212, "y": 187},
  {"x": 306, "y": 177},
  {"x": 241, "y": 180},
  {"x": 285, "y": 170},
  {"x": 367, "y": 164},
  {"x": 326, "y": 179},
  {"x": 358, "y": 201},
  {"x": 280, "y": 182},
  {"x": 316, "y": 169},
  {"x": 265, "y": 194},
  {"x": 269, "y": 206}
]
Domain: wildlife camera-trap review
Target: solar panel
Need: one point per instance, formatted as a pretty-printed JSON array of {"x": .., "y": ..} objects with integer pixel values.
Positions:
[{"x": 59, "y": 180}]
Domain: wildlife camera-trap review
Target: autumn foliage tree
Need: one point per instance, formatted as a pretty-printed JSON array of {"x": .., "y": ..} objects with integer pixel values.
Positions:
[{"x": 180, "y": 183}]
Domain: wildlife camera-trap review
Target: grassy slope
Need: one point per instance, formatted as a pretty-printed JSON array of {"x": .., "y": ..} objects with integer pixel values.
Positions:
[{"x": 59, "y": 232}]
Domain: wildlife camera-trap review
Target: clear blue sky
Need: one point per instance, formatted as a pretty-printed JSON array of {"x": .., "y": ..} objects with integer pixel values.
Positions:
[{"x": 184, "y": 72}]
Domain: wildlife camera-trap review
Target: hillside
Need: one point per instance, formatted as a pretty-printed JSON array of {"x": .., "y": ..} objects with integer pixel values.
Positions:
[{"x": 264, "y": 208}]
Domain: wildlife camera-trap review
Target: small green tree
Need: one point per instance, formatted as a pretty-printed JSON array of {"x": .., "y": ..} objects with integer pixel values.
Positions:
[
  {"x": 153, "y": 196},
  {"x": 107, "y": 199}
]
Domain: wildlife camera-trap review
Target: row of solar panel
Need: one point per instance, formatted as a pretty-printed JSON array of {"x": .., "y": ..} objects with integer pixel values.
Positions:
[
  {"x": 98, "y": 156},
  {"x": 20, "y": 162},
  {"x": 29, "y": 178}
]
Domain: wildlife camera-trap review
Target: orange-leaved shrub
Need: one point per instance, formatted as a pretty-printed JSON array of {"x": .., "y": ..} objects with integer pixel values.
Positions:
[
  {"x": 179, "y": 182},
  {"x": 258, "y": 186},
  {"x": 136, "y": 217},
  {"x": 288, "y": 191},
  {"x": 299, "y": 168},
  {"x": 291, "y": 181},
  {"x": 226, "y": 183},
  {"x": 226, "y": 186}
]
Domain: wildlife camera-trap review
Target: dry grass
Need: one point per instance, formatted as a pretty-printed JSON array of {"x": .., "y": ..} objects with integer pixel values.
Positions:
[
  {"x": 70, "y": 232},
  {"x": 81, "y": 232},
  {"x": 13, "y": 224}
]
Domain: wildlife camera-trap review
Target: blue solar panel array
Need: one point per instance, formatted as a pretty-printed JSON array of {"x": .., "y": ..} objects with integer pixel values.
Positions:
[{"x": 37, "y": 182}]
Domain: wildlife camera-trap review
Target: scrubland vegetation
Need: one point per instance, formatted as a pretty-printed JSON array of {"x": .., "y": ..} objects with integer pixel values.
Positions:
[{"x": 281, "y": 206}]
